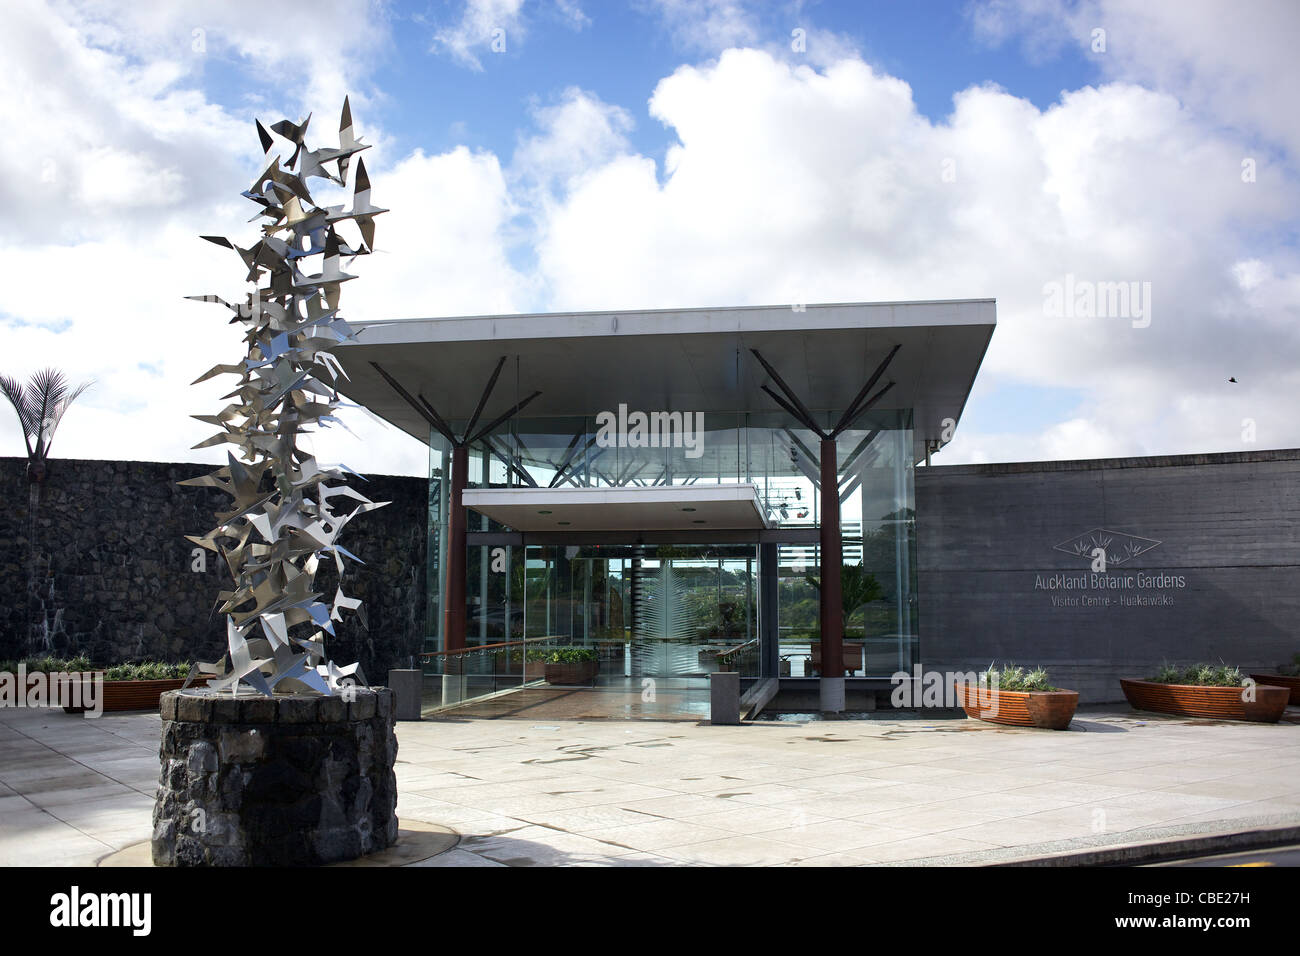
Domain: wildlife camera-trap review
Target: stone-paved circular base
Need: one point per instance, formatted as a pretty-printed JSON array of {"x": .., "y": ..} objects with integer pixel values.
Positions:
[{"x": 416, "y": 841}]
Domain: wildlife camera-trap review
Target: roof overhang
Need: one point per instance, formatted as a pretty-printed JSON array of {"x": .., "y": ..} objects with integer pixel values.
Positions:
[
  {"x": 726, "y": 507},
  {"x": 683, "y": 360}
]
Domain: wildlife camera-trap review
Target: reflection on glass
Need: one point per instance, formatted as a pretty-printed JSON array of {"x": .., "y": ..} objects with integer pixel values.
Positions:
[{"x": 678, "y": 613}]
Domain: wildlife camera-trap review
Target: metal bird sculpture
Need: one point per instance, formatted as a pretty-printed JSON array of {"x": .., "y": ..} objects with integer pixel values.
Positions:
[{"x": 285, "y": 518}]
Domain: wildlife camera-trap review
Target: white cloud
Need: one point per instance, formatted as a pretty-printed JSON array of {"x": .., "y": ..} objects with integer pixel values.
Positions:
[
  {"x": 1238, "y": 68},
  {"x": 442, "y": 247},
  {"x": 579, "y": 133},
  {"x": 572, "y": 14},
  {"x": 114, "y": 163},
  {"x": 782, "y": 183},
  {"x": 792, "y": 185},
  {"x": 494, "y": 24},
  {"x": 707, "y": 26}
]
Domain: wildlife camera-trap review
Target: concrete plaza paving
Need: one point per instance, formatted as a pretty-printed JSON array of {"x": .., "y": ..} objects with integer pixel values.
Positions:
[{"x": 629, "y": 793}]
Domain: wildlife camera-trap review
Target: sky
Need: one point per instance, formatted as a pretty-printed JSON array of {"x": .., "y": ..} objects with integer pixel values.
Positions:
[{"x": 554, "y": 155}]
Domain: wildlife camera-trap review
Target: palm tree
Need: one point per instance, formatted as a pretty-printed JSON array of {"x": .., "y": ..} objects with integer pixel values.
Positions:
[
  {"x": 857, "y": 588},
  {"x": 40, "y": 405}
]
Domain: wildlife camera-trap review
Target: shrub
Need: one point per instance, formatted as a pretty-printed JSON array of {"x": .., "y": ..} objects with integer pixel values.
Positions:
[
  {"x": 48, "y": 664},
  {"x": 1199, "y": 675},
  {"x": 1014, "y": 678},
  {"x": 569, "y": 655},
  {"x": 1292, "y": 669},
  {"x": 147, "y": 670}
]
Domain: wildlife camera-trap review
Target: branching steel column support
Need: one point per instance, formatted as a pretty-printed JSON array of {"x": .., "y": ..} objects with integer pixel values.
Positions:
[
  {"x": 831, "y": 605},
  {"x": 454, "y": 611},
  {"x": 832, "y": 556}
]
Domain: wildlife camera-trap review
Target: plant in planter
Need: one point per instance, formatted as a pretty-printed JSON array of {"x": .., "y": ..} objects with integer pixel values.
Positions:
[
  {"x": 126, "y": 686},
  {"x": 1288, "y": 676},
  {"x": 858, "y": 587},
  {"x": 1018, "y": 698},
  {"x": 571, "y": 665},
  {"x": 1207, "y": 690},
  {"x": 533, "y": 661}
]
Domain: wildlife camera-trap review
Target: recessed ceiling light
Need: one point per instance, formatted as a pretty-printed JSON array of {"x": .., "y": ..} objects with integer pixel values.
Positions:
[
  {"x": 543, "y": 512},
  {"x": 564, "y": 522},
  {"x": 699, "y": 521},
  {"x": 688, "y": 509}
]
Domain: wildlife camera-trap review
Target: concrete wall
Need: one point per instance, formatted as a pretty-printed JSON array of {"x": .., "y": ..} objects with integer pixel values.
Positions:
[
  {"x": 113, "y": 574},
  {"x": 1228, "y": 525}
]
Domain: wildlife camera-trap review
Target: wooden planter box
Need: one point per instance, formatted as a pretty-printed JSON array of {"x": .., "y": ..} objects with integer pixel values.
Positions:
[
  {"x": 1278, "y": 680},
  {"x": 565, "y": 675},
  {"x": 122, "y": 695},
  {"x": 1223, "y": 703},
  {"x": 534, "y": 670},
  {"x": 1046, "y": 709},
  {"x": 852, "y": 654}
]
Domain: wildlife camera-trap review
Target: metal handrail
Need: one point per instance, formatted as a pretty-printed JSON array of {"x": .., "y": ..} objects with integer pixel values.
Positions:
[{"x": 430, "y": 655}]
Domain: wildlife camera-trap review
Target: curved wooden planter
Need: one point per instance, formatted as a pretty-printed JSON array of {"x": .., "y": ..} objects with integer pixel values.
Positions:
[
  {"x": 1278, "y": 680},
  {"x": 137, "y": 694},
  {"x": 1046, "y": 709},
  {"x": 566, "y": 675},
  {"x": 1223, "y": 703}
]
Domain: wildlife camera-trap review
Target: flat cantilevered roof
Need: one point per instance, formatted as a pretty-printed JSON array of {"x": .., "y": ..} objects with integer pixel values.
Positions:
[
  {"x": 674, "y": 359},
  {"x": 660, "y": 508}
]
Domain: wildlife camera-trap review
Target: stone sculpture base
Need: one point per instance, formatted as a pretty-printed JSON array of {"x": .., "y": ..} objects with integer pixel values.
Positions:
[{"x": 291, "y": 780}]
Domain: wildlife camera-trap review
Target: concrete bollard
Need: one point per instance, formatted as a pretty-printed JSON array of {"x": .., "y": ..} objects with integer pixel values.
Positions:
[
  {"x": 724, "y": 698},
  {"x": 832, "y": 695},
  {"x": 408, "y": 689}
]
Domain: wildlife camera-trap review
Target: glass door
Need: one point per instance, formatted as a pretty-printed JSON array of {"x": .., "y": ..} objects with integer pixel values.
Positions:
[{"x": 694, "y": 611}]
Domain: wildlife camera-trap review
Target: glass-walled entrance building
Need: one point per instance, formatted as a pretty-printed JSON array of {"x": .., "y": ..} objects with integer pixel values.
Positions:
[
  {"x": 643, "y": 493},
  {"x": 662, "y": 611},
  {"x": 689, "y": 602}
]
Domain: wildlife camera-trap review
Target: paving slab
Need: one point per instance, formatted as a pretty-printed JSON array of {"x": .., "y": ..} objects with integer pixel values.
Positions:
[{"x": 677, "y": 793}]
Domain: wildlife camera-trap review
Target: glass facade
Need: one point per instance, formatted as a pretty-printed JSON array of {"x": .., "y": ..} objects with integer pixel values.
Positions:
[{"x": 674, "y": 612}]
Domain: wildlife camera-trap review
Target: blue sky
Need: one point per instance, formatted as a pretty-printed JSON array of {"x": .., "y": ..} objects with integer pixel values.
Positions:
[
  {"x": 684, "y": 153},
  {"x": 435, "y": 103},
  {"x": 432, "y": 102}
]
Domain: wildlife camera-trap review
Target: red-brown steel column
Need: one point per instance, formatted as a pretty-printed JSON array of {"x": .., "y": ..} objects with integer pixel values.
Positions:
[
  {"x": 832, "y": 615},
  {"x": 453, "y": 592}
]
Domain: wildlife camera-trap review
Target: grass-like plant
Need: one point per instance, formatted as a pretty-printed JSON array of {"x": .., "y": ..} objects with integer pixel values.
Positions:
[
  {"x": 1292, "y": 669},
  {"x": 570, "y": 655},
  {"x": 145, "y": 670},
  {"x": 47, "y": 664},
  {"x": 1200, "y": 675},
  {"x": 1015, "y": 678}
]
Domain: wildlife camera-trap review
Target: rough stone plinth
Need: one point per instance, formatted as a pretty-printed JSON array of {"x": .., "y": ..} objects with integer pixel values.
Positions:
[{"x": 291, "y": 780}]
